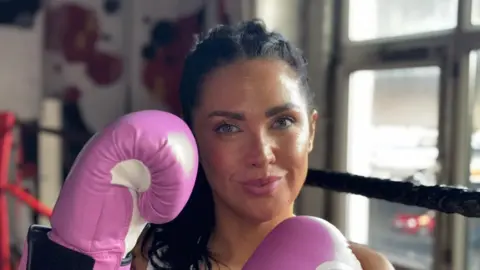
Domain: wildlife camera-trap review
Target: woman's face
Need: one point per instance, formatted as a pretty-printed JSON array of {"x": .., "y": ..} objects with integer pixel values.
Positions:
[{"x": 254, "y": 132}]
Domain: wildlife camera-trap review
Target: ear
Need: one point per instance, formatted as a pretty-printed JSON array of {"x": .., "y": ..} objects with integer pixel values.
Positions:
[{"x": 313, "y": 126}]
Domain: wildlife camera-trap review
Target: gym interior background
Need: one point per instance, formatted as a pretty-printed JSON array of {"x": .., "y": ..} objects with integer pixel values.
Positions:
[{"x": 397, "y": 83}]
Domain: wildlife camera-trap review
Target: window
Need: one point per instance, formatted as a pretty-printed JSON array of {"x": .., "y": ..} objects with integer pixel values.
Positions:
[
  {"x": 476, "y": 12},
  {"x": 392, "y": 133},
  {"x": 473, "y": 252},
  {"x": 373, "y": 19}
]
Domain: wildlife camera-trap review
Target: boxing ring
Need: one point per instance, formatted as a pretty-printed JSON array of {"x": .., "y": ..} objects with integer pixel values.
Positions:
[{"x": 12, "y": 188}]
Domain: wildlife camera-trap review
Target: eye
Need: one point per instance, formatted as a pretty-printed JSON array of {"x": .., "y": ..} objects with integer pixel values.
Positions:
[
  {"x": 283, "y": 122},
  {"x": 226, "y": 128}
]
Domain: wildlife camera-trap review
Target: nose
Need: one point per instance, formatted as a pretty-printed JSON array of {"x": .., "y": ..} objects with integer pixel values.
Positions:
[{"x": 260, "y": 151}]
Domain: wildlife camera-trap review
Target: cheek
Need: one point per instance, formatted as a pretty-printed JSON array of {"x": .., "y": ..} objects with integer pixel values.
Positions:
[
  {"x": 293, "y": 158},
  {"x": 217, "y": 160},
  {"x": 294, "y": 146}
]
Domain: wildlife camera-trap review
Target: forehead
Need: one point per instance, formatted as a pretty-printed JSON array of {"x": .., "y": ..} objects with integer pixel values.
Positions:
[{"x": 251, "y": 84}]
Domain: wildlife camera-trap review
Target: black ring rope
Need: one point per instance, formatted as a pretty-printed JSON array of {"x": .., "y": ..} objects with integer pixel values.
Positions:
[{"x": 446, "y": 199}]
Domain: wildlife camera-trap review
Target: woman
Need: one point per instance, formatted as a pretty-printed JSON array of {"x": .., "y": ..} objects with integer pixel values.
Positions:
[{"x": 245, "y": 94}]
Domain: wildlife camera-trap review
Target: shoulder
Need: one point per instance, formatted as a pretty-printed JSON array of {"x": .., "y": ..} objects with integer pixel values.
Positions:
[{"x": 370, "y": 259}]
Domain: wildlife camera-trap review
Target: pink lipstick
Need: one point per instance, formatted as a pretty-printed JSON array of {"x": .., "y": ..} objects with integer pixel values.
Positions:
[{"x": 261, "y": 186}]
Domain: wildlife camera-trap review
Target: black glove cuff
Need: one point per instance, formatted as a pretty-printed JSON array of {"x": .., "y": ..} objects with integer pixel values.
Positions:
[{"x": 44, "y": 254}]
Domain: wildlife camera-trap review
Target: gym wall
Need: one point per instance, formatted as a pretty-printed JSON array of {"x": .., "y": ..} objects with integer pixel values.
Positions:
[{"x": 75, "y": 65}]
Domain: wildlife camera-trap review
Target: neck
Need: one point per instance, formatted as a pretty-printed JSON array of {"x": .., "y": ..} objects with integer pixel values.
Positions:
[{"x": 235, "y": 238}]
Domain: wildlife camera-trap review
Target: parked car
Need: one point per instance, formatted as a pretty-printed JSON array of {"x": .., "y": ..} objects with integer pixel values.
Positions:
[{"x": 413, "y": 224}]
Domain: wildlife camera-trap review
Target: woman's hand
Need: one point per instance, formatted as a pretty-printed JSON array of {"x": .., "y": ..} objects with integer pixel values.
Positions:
[{"x": 370, "y": 259}]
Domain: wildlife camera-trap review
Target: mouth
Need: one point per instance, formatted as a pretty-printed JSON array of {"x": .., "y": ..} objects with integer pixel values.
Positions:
[
  {"x": 262, "y": 186},
  {"x": 259, "y": 182}
]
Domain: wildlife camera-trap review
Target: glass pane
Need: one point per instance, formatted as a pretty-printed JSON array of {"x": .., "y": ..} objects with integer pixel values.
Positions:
[
  {"x": 372, "y": 19},
  {"x": 474, "y": 224},
  {"x": 476, "y": 12},
  {"x": 393, "y": 119}
]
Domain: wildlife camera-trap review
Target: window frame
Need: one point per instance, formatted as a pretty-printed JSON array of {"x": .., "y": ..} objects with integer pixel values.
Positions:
[{"x": 450, "y": 49}]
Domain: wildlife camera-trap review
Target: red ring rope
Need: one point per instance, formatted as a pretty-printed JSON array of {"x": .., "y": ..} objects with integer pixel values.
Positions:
[{"x": 7, "y": 121}]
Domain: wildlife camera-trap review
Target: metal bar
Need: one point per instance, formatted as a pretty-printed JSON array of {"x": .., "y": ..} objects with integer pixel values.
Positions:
[
  {"x": 461, "y": 157},
  {"x": 455, "y": 124},
  {"x": 337, "y": 127},
  {"x": 442, "y": 257},
  {"x": 365, "y": 55},
  {"x": 28, "y": 199},
  {"x": 6, "y": 141}
]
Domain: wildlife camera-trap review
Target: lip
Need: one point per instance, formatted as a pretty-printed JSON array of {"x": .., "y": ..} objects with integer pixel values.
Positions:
[{"x": 261, "y": 186}]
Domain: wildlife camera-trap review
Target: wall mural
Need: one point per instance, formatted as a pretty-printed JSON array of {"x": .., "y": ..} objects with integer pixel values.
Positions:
[
  {"x": 84, "y": 66},
  {"x": 170, "y": 41},
  {"x": 163, "y": 54},
  {"x": 73, "y": 31}
]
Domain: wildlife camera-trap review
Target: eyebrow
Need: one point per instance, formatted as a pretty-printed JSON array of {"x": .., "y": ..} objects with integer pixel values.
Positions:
[
  {"x": 241, "y": 116},
  {"x": 280, "y": 109}
]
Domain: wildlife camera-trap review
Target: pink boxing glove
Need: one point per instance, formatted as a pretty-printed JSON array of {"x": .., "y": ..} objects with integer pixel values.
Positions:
[
  {"x": 140, "y": 169},
  {"x": 303, "y": 243}
]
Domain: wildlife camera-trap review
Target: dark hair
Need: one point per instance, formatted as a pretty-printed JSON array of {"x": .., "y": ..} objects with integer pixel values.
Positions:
[
  {"x": 182, "y": 243},
  {"x": 145, "y": 244}
]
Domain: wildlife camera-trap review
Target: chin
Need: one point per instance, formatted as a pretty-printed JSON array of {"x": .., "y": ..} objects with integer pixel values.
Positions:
[
  {"x": 262, "y": 214},
  {"x": 261, "y": 217}
]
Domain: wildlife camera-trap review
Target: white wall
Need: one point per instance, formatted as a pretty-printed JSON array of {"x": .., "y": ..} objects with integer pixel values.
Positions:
[
  {"x": 20, "y": 69},
  {"x": 20, "y": 91},
  {"x": 284, "y": 16}
]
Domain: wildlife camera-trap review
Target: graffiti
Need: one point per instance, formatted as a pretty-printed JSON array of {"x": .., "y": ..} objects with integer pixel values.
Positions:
[
  {"x": 164, "y": 56},
  {"x": 74, "y": 31}
]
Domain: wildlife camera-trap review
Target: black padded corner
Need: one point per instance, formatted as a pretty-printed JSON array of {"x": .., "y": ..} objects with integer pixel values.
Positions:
[{"x": 44, "y": 254}]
